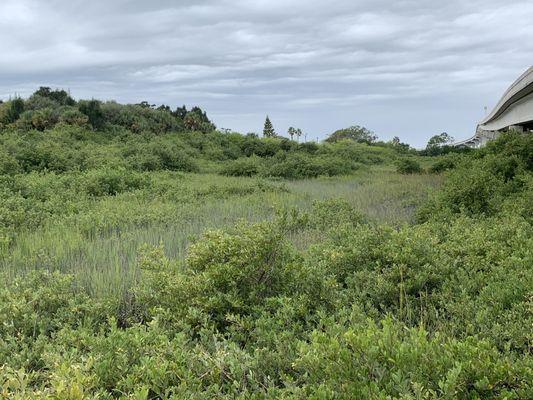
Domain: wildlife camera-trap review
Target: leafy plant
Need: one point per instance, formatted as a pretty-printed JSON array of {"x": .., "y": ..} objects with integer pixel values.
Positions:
[{"x": 408, "y": 166}]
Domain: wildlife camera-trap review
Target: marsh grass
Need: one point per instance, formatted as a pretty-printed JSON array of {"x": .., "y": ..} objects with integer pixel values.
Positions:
[{"x": 100, "y": 245}]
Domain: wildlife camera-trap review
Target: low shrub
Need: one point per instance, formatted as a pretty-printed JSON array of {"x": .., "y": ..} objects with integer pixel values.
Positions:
[
  {"x": 248, "y": 166},
  {"x": 110, "y": 182},
  {"x": 300, "y": 166},
  {"x": 8, "y": 163},
  {"x": 408, "y": 166},
  {"x": 445, "y": 163},
  {"x": 483, "y": 185},
  {"x": 225, "y": 274},
  {"x": 365, "y": 360}
]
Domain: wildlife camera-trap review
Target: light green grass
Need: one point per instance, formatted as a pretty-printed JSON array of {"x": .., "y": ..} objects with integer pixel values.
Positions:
[{"x": 100, "y": 244}]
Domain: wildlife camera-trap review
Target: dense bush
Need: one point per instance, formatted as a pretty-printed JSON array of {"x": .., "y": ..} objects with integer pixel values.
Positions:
[
  {"x": 498, "y": 176},
  {"x": 46, "y": 107},
  {"x": 299, "y": 166},
  {"x": 408, "y": 166},
  {"x": 8, "y": 163},
  {"x": 445, "y": 163},
  {"x": 248, "y": 166},
  {"x": 110, "y": 182},
  {"x": 159, "y": 155}
]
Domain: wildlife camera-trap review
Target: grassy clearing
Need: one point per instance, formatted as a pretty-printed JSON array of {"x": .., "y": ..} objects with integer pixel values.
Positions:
[{"x": 99, "y": 244}]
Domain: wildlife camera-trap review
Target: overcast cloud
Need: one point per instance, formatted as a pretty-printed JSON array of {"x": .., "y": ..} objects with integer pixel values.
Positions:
[{"x": 411, "y": 68}]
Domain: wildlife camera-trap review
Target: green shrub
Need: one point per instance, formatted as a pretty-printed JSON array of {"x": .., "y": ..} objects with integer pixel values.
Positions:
[
  {"x": 226, "y": 273},
  {"x": 408, "y": 166},
  {"x": 72, "y": 116},
  {"x": 484, "y": 184},
  {"x": 8, "y": 163},
  {"x": 300, "y": 166},
  {"x": 159, "y": 155},
  {"x": 331, "y": 214},
  {"x": 110, "y": 182},
  {"x": 248, "y": 166},
  {"x": 92, "y": 109},
  {"x": 11, "y": 110},
  {"x": 368, "y": 361},
  {"x": 446, "y": 163}
]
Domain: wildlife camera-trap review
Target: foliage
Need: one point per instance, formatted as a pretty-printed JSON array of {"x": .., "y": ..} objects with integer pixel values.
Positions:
[
  {"x": 445, "y": 163},
  {"x": 355, "y": 133},
  {"x": 298, "y": 166},
  {"x": 196, "y": 120},
  {"x": 59, "y": 96},
  {"x": 246, "y": 166},
  {"x": 408, "y": 166},
  {"x": 268, "y": 130},
  {"x": 93, "y": 110},
  {"x": 439, "y": 140},
  {"x": 10, "y": 111},
  {"x": 294, "y": 132},
  {"x": 323, "y": 288},
  {"x": 46, "y": 107},
  {"x": 485, "y": 185}
]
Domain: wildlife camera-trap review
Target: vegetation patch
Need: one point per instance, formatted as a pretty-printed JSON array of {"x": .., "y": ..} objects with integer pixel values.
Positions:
[{"x": 145, "y": 255}]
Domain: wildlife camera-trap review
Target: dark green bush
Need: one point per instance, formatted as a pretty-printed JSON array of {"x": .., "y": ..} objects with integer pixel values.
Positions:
[
  {"x": 367, "y": 361},
  {"x": 159, "y": 155},
  {"x": 484, "y": 184},
  {"x": 248, "y": 166},
  {"x": 300, "y": 166},
  {"x": 93, "y": 110},
  {"x": 408, "y": 166},
  {"x": 8, "y": 163},
  {"x": 11, "y": 111},
  {"x": 110, "y": 182},
  {"x": 226, "y": 273},
  {"x": 446, "y": 163}
]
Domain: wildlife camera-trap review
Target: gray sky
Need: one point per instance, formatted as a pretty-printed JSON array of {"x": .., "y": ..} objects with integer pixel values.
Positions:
[{"x": 411, "y": 68}]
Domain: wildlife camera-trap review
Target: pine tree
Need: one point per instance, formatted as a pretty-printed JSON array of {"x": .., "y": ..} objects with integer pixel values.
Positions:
[{"x": 268, "y": 130}]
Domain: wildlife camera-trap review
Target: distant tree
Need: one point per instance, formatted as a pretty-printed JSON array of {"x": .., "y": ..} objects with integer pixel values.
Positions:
[
  {"x": 268, "y": 130},
  {"x": 197, "y": 120},
  {"x": 399, "y": 146},
  {"x": 441, "y": 139},
  {"x": 93, "y": 110},
  {"x": 294, "y": 132},
  {"x": 356, "y": 133},
  {"x": 60, "y": 96},
  {"x": 11, "y": 110},
  {"x": 298, "y": 133},
  {"x": 291, "y": 132},
  {"x": 180, "y": 112},
  {"x": 145, "y": 104},
  {"x": 439, "y": 144},
  {"x": 165, "y": 108},
  {"x": 192, "y": 122}
]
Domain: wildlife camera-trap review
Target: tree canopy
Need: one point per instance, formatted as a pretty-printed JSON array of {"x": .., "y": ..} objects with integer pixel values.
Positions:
[{"x": 356, "y": 133}]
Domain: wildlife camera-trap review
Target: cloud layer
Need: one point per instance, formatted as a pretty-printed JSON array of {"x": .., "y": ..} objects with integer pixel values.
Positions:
[{"x": 407, "y": 68}]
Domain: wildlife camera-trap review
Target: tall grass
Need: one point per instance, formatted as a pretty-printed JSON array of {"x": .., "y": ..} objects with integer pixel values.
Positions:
[{"x": 99, "y": 246}]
